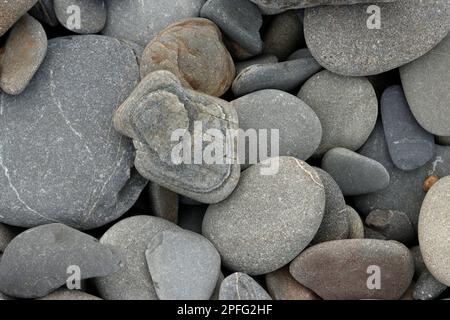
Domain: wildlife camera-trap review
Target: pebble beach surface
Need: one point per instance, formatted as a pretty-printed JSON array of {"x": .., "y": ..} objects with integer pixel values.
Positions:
[{"x": 224, "y": 149}]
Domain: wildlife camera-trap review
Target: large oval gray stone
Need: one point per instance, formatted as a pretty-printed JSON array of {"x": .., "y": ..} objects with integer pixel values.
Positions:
[
  {"x": 340, "y": 39},
  {"x": 268, "y": 219}
]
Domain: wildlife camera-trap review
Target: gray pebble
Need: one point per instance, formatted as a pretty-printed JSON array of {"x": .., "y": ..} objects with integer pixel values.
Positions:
[
  {"x": 410, "y": 146},
  {"x": 356, "y": 225},
  {"x": 394, "y": 225},
  {"x": 262, "y": 59},
  {"x": 39, "y": 260},
  {"x": 92, "y": 15},
  {"x": 240, "y": 286},
  {"x": 354, "y": 173},
  {"x": 419, "y": 264},
  {"x": 269, "y": 219},
  {"x": 427, "y": 287},
  {"x": 183, "y": 265},
  {"x": 346, "y": 106},
  {"x": 240, "y": 20},
  {"x": 300, "y": 54}
]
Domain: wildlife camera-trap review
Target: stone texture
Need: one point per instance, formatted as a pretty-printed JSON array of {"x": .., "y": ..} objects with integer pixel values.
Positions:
[
  {"x": 262, "y": 59},
  {"x": 44, "y": 11},
  {"x": 427, "y": 287},
  {"x": 193, "y": 51},
  {"x": 163, "y": 202},
  {"x": 141, "y": 21},
  {"x": 61, "y": 160},
  {"x": 11, "y": 11},
  {"x": 410, "y": 146},
  {"x": 37, "y": 261},
  {"x": 159, "y": 107},
  {"x": 240, "y": 20},
  {"x": 346, "y": 106},
  {"x": 269, "y": 219},
  {"x": 24, "y": 52},
  {"x": 282, "y": 286},
  {"x": 183, "y": 265},
  {"x": 7, "y": 233},
  {"x": 93, "y": 14},
  {"x": 434, "y": 225},
  {"x": 298, "y": 126},
  {"x": 354, "y": 173},
  {"x": 131, "y": 237},
  {"x": 285, "y": 76},
  {"x": 340, "y": 269},
  {"x": 69, "y": 295},
  {"x": 334, "y": 224},
  {"x": 340, "y": 40},
  {"x": 356, "y": 226},
  {"x": 394, "y": 225},
  {"x": 426, "y": 82},
  {"x": 240, "y": 286}
]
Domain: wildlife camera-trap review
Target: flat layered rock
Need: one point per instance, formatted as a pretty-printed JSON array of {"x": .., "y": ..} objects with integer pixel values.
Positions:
[
  {"x": 11, "y": 11},
  {"x": 409, "y": 29},
  {"x": 269, "y": 219},
  {"x": 240, "y": 286},
  {"x": 93, "y": 14},
  {"x": 342, "y": 269}
]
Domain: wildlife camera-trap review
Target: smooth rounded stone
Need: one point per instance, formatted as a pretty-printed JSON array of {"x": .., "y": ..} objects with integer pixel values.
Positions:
[
  {"x": 410, "y": 146},
  {"x": 356, "y": 226},
  {"x": 354, "y": 173},
  {"x": 426, "y": 82},
  {"x": 240, "y": 20},
  {"x": 284, "y": 34},
  {"x": 191, "y": 217},
  {"x": 262, "y": 59},
  {"x": 269, "y": 219},
  {"x": 24, "y": 52},
  {"x": 69, "y": 295},
  {"x": 282, "y": 286},
  {"x": 131, "y": 237},
  {"x": 298, "y": 126},
  {"x": 346, "y": 106},
  {"x": 44, "y": 11},
  {"x": 394, "y": 225},
  {"x": 300, "y": 54},
  {"x": 11, "y": 11},
  {"x": 163, "y": 202},
  {"x": 38, "y": 261},
  {"x": 285, "y": 76},
  {"x": 7, "y": 233},
  {"x": 427, "y": 287},
  {"x": 92, "y": 15},
  {"x": 341, "y": 270},
  {"x": 141, "y": 21},
  {"x": 240, "y": 286},
  {"x": 183, "y": 265},
  {"x": 341, "y": 40},
  {"x": 276, "y": 6},
  {"x": 61, "y": 160},
  {"x": 434, "y": 225},
  {"x": 193, "y": 51},
  {"x": 419, "y": 264},
  {"x": 160, "y": 108},
  {"x": 334, "y": 224}
]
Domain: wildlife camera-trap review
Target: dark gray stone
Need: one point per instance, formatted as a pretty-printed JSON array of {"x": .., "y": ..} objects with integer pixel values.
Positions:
[
  {"x": 240, "y": 286},
  {"x": 240, "y": 20},
  {"x": 355, "y": 174},
  {"x": 346, "y": 106},
  {"x": 7, "y": 233},
  {"x": 419, "y": 264},
  {"x": 341, "y": 41},
  {"x": 393, "y": 225},
  {"x": 140, "y": 21},
  {"x": 410, "y": 146},
  {"x": 269, "y": 219},
  {"x": 163, "y": 202},
  {"x": 159, "y": 107},
  {"x": 191, "y": 217},
  {"x": 60, "y": 158},
  {"x": 130, "y": 237},
  {"x": 263, "y": 59},
  {"x": 427, "y": 287},
  {"x": 355, "y": 223},
  {"x": 285, "y": 76},
  {"x": 299, "y": 127},
  {"x": 44, "y": 11},
  {"x": 183, "y": 265},
  {"x": 334, "y": 224},
  {"x": 300, "y": 54},
  {"x": 38, "y": 260},
  {"x": 92, "y": 15}
]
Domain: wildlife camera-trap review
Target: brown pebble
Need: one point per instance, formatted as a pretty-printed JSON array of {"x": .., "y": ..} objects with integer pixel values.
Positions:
[{"x": 429, "y": 182}]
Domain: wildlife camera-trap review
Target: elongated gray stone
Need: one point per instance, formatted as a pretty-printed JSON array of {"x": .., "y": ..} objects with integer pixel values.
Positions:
[
  {"x": 160, "y": 108},
  {"x": 355, "y": 174},
  {"x": 183, "y": 265},
  {"x": 262, "y": 59},
  {"x": 60, "y": 158},
  {"x": 269, "y": 219},
  {"x": 410, "y": 146},
  {"x": 41, "y": 259},
  {"x": 346, "y": 39},
  {"x": 240, "y": 286},
  {"x": 92, "y": 13}
]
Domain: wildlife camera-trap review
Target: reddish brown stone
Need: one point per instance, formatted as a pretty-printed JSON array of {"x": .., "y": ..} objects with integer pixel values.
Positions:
[{"x": 282, "y": 286}]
